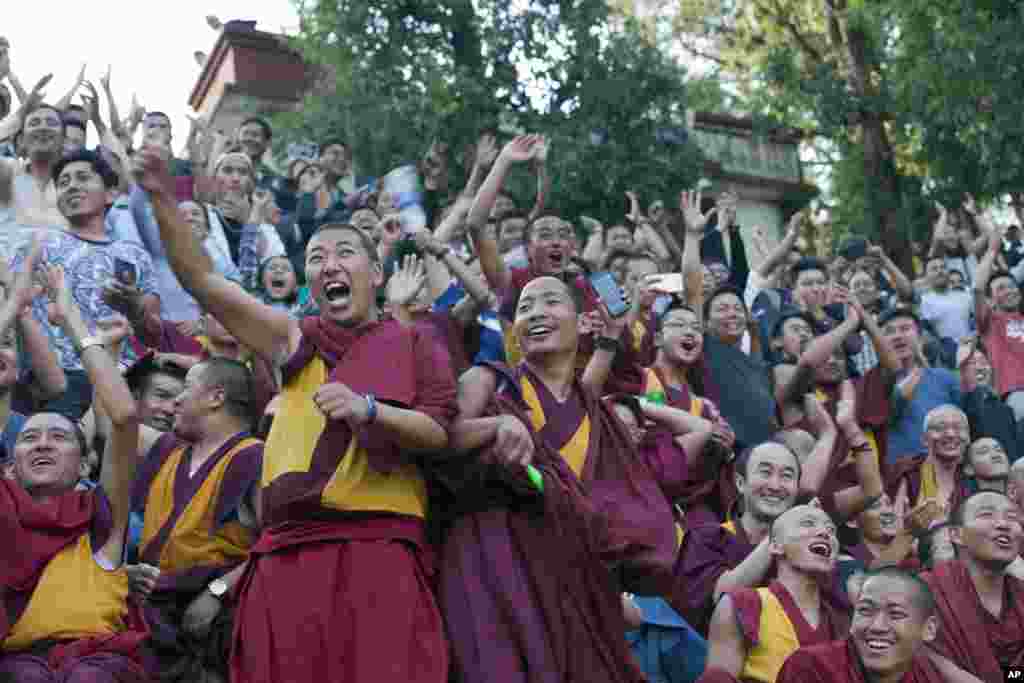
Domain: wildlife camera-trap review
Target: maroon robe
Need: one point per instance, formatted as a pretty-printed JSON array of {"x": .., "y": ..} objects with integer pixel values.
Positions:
[
  {"x": 525, "y": 581},
  {"x": 171, "y": 652},
  {"x": 39, "y": 531},
  {"x": 972, "y": 638},
  {"x": 449, "y": 334},
  {"x": 370, "y": 614},
  {"x": 839, "y": 662},
  {"x": 909, "y": 470}
]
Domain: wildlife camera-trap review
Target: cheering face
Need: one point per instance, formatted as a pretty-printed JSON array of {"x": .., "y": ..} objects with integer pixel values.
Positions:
[
  {"x": 234, "y": 176},
  {"x": 343, "y": 278},
  {"x": 991, "y": 533},
  {"x": 43, "y": 134},
  {"x": 191, "y": 405},
  {"x": 796, "y": 335},
  {"x": 806, "y": 537},
  {"x": 879, "y": 523},
  {"x": 81, "y": 193},
  {"x": 546, "y": 318},
  {"x": 157, "y": 400},
  {"x": 252, "y": 140},
  {"x": 988, "y": 459},
  {"x": 889, "y": 627},
  {"x": 864, "y": 287},
  {"x": 978, "y": 368},
  {"x": 936, "y": 270},
  {"x": 772, "y": 481},
  {"x": 1005, "y": 294},
  {"x": 680, "y": 338},
  {"x": 811, "y": 289},
  {"x": 947, "y": 435},
  {"x": 156, "y": 129},
  {"x": 8, "y": 360},
  {"x": 727, "y": 318},
  {"x": 552, "y": 244},
  {"x": 47, "y": 454},
  {"x": 279, "y": 281}
]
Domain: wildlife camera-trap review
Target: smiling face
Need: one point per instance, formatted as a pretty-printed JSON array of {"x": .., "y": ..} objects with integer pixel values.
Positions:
[
  {"x": 946, "y": 434},
  {"x": 864, "y": 287},
  {"x": 343, "y": 276},
  {"x": 253, "y": 140},
  {"x": 42, "y": 136},
  {"x": 988, "y": 460},
  {"x": 336, "y": 160},
  {"x": 195, "y": 215},
  {"x": 156, "y": 400},
  {"x": 727, "y": 318},
  {"x": 797, "y": 333},
  {"x": 805, "y": 538},
  {"x": 546, "y": 319},
  {"x": 978, "y": 368},
  {"x": 1005, "y": 294},
  {"x": 81, "y": 194},
  {"x": 279, "y": 281},
  {"x": 234, "y": 175},
  {"x": 879, "y": 523},
  {"x": 936, "y": 270},
  {"x": 552, "y": 243},
  {"x": 47, "y": 455},
  {"x": 811, "y": 289},
  {"x": 991, "y": 531},
  {"x": 890, "y": 626},
  {"x": 680, "y": 340},
  {"x": 771, "y": 482}
]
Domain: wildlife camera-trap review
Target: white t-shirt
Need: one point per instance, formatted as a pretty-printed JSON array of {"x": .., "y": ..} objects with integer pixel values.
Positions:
[{"x": 949, "y": 312}]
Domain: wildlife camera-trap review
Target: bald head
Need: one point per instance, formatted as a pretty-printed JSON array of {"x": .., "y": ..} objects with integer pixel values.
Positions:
[
  {"x": 547, "y": 283},
  {"x": 895, "y": 581},
  {"x": 793, "y": 517}
]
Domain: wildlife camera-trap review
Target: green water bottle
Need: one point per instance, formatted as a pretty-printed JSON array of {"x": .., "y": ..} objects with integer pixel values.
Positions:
[{"x": 655, "y": 397}]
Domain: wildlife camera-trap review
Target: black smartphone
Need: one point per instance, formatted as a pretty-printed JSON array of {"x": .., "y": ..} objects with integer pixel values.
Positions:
[
  {"x": 125, "y": 273},
  {"x": 610, "y": 293}
]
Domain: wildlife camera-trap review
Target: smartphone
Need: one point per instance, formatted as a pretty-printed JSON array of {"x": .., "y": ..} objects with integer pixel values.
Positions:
[
  {"x": 125, "y": 273},
  {"x": 610, "y": 294},
  {"x": 668, "y": 283}
]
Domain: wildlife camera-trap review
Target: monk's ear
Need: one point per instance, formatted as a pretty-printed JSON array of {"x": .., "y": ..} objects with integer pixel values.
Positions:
[
  {"x": 931, "y": 628},
  {"x": 740, "y": 482},
  {"x": 218, "y": 397}
]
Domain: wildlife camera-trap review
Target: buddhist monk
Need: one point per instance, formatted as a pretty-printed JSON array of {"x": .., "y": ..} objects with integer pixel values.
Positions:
[
  {"x": 195, "y": 493},
  {"x": 892, "y": 626},
  {"x": 753, "y": 631},
  {"x": 531, "y": 581},
  {"x": 64, "y": 590},
  {"x": 980, "y": 606},
  {"x": 337, "y": 586},
  {"x": 716, "y": 558}
]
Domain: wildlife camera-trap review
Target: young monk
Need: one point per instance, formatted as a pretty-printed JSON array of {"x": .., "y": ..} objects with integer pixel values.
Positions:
[
  {"x": 753, "y": 631},
  {"x": 195, "y": 492},
  {"x": 342, "y": 497},
  {"x": 980, "y": 606},
  {"x": 531, "y": 581},
  {"x": 893, "y": 624},
  {"x": 64, "y": 590}
]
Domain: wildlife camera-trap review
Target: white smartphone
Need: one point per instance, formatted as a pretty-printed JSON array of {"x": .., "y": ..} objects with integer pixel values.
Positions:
[{"x": 667, "y": 283}]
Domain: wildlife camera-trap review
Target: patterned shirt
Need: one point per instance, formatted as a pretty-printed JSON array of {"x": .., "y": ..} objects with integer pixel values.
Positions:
[{"x": 88, "y": 267}]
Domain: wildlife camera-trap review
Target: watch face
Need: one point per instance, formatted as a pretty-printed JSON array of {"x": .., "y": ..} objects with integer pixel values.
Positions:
[{"x": 218, "y": 587}]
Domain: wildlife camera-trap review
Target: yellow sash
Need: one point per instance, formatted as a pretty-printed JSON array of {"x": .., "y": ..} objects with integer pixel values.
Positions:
[
  {"x": 652, "y": 384},
  {"x": 639, "y": 333},
  {"x": 75, "y": 598},
  {"x": 929, "y": 484},
  {"x": 574, "y": 452},
  {"x": 191, "y": 541},
  {"x": 355, "y": 485},
  {"x": 778, "y": 641}
]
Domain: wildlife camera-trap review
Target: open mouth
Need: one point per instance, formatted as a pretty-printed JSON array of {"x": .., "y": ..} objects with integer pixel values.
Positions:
[
  {"x": 337, "y": 292},
  {"x": 557, "y": 259},
  {"x": 822, "y": 549},
  {"x": 277, "y": 283},
  {"x": 887, "y": 519},
  {"x": 43, "y": 461},
  {"x": 1003, "y": 542},
  {"x": 878, "y": 646},
  {"x": 688, "y": 345},
  {"x": 539, "y": 331}
]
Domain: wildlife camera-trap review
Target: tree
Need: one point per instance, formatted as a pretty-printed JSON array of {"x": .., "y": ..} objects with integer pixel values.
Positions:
[{"x": 400, "y": 74}]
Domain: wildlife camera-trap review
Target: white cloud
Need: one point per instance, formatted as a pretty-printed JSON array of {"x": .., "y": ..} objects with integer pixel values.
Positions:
[{"x": 149, "y": 45}]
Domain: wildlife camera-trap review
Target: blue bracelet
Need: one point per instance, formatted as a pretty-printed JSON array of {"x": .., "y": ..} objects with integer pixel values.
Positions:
[{"x": 371, "y": 409}]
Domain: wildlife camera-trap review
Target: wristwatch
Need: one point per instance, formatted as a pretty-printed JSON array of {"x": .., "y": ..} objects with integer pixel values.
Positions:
[
  {"x": 218, "y": 588},
  {"x": 88, "y": 342}
]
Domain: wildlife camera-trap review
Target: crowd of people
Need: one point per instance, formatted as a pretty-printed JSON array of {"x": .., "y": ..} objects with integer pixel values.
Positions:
[{"x": 260, "y": 426}]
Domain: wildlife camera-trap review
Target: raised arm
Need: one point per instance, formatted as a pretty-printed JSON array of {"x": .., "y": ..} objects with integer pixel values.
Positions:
[
  {"x": 540, "y": 168},
  {"x": 264, "y": 330},
  {"x": 815, "y": 468},
  {"x": 520, "y": 149},
  {"x": 65, "y": 101},
  {"x": 798, "y": 383},
  {"x": 982, "y": 307},
  {"x": 693, "y": 271},
  {"x": 782, "y": 249},
  {"x": 727, "y": 649},
  {"x": 112, "y": 394},
  {"x": 903, "y": 286}
]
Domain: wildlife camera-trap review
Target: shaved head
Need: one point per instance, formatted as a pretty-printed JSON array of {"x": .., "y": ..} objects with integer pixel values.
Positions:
[
  {"x": 545, "y": 281},
  {"x": 907, "y": 583},
  {"x": 791, "y": 517}
]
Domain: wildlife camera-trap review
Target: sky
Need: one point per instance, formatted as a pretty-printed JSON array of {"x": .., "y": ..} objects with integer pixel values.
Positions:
[{"x": 149, "y": 45}]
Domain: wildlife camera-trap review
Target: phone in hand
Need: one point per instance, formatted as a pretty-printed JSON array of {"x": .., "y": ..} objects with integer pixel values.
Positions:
[
  {"x": 666, "y": 283},
  {"x": 125, "y": 272},
  {"x": 610, "y": 294}
]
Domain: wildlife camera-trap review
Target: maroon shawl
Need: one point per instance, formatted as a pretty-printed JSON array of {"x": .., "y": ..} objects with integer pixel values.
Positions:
[
  {"x": 964, "y": 637},
  {"x": 839, "y": 662}
]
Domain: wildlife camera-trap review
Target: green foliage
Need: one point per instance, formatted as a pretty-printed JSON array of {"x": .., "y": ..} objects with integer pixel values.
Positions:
[{"x": 400, "y": 74}]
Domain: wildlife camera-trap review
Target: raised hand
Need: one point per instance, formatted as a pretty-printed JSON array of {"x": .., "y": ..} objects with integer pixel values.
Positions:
[
  {"x": 846, "y": 408},
  {"x": 105, "y": 79},
  {"x": 486, "y": 151},
  {"x": 407, "y": 281},
  {"x": 689, "y": 204},
  {"x": 36, "y": 95},
  {"x": 634, "y": 215},
  {"x": 91, "y": 103},
  {"x": 427, "y": 243},
  {"x": 81, "y": 76},
  {"x": 390, "y": 228},
  {"x": 521, "y": 148},
  {"x": 261, "y": 202},
  {"x": 726, "y": 205},
  {"x": 141, "y": 579},
  {"x": 817, "y": 417}
]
